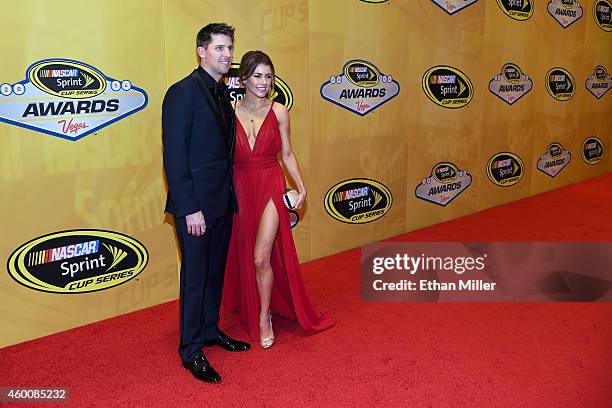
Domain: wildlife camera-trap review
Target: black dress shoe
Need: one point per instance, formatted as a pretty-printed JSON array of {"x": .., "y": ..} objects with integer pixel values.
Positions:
[
  {"x": 202, "y": 370},
  {"x": 223, "y": 340}
]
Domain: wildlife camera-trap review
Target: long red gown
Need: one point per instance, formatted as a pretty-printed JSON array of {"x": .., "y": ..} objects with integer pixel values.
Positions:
[{"x": 258, "y": 177}]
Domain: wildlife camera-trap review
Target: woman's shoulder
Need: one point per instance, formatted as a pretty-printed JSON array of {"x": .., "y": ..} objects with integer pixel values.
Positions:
[{"x": 280, "y": 110}]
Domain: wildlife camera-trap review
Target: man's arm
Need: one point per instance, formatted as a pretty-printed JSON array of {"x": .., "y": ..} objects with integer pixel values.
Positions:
[{"x": 177, "y": 119}]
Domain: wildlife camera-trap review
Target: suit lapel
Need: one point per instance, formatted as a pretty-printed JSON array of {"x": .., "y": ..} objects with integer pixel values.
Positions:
[
  {"x": 232, "y": 130},
  {"x": 208, "y": 97},
  {"x": 215, "y": 108}
]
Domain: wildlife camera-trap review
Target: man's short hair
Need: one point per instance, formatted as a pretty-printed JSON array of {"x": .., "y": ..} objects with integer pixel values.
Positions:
[{"x": 204, "y": 36}]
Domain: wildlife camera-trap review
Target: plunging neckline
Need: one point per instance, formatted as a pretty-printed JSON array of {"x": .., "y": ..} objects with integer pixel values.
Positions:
[{"x": 252, "y": 149}]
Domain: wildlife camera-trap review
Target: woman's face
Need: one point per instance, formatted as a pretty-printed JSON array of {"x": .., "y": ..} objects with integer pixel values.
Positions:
[{"x": 260, "y": 82}]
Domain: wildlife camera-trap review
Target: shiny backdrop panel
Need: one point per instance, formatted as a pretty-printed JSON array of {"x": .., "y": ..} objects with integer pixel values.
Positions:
[
  {"x": 559, "y": 121},
  {"x": 595, "y": 113},
  {"x": 111, "y": 179},
  {"x": 508, "y": 127},
  {"x": 345, "y": 145},
  {"x": 438, "y": 134}
]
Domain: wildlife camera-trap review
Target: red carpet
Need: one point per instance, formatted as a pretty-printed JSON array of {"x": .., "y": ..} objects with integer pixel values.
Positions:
[{"x": 405, "y": 355}]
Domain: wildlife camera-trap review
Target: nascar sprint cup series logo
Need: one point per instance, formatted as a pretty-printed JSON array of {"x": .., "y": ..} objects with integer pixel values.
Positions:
[
  {"x": 599, "y": 82},
  {"x": 602, "y": 13},
  {"x": 77, "y": 261},
  {"x": 360, "y": 88},
  {"x": 554, "y": 160},
  {"x": 560, "y": 84},
  {"x": 358, "y": 201},
  {"x": 519, "y": 10},
  {"x": 511, "y": 84},
  {"x": 444, "y": 185},
  {"x": 68, "y": 99},
  {"x": 453, "y": 6},
  {"x": 505, "y": 169},
  {"x": 566, "y": 12},
  {"x": 592, "y": 150},
  {"x": 281, "y": 93},
  {"x": 447, "y": 87}
]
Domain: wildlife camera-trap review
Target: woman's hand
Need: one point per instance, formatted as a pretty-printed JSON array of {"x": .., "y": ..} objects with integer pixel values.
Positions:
[{"x": 301, "y": 199}]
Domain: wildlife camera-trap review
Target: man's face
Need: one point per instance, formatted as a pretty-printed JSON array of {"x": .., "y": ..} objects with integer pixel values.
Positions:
[{"x": 217, "y": 57}]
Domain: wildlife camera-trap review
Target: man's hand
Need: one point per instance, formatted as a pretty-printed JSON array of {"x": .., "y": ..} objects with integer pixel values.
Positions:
[{"x": 196, "y": 224}]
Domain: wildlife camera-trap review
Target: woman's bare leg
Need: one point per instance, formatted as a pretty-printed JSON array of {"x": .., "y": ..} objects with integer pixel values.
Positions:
[{"x": 266, "y": 234}]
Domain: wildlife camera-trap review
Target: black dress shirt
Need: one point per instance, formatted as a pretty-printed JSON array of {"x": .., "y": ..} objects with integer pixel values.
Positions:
[{"x": 219, "y": 92}]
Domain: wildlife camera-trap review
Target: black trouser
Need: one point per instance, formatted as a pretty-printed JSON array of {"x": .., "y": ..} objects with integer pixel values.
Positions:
[{"x": 202, "y": 270}]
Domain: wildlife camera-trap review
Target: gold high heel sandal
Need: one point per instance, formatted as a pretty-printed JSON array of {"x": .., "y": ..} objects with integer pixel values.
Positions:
[{"x": 268, "y": 341}]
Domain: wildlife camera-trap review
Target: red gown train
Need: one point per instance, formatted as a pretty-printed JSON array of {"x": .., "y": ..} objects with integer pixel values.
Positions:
[{"x": 258, "y": 177}]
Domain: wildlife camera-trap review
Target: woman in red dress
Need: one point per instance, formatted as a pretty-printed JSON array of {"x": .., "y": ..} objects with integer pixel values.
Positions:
[{"x": 263, "y": 272}]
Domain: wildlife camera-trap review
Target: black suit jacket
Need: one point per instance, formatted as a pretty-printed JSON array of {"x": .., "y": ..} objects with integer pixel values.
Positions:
[{"x": 198, "y": 156}]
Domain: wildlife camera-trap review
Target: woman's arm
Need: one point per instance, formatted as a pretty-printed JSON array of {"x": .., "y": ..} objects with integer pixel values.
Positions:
[{"x": 289, "y": 159}]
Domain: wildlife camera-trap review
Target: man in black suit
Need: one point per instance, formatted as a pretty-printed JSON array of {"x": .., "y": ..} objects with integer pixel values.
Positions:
[{"x": 198, "y": 127}]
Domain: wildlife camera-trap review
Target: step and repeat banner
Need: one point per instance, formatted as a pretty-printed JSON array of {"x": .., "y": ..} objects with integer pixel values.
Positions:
[
  {"x": 83, "y": 237},
  {"x": 404, "y": 114},
  {"x": 424, "y": 111}
]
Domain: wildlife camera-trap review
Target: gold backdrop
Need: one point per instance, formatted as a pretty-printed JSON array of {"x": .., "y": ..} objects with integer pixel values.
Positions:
[{"x": 112, "y": 179}]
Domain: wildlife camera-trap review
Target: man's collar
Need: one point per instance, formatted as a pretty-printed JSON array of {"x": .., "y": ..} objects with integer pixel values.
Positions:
[{"x": 215, "y": 87}]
